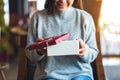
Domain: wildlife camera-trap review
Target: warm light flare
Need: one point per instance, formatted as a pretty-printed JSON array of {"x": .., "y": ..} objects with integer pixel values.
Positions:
[
  {"x": 109, "y": 23},
  {"x": 110, "y": 11}
]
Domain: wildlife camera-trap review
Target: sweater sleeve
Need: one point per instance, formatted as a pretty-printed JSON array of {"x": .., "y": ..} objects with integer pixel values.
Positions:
[
  {"x": 90, "y": 41},
  {"x": 31, "y": 37}
]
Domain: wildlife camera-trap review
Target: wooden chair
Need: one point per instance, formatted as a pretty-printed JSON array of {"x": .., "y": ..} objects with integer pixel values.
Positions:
[
  {"x": 3, "y": 66},
  {"x": 26, "y": 68}
]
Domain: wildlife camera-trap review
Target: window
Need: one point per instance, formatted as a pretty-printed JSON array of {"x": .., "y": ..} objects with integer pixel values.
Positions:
[
  {"x": 110, "y": 27},
  {"x": 40, "y": 4},
  {"x": 6, "y": 9}
]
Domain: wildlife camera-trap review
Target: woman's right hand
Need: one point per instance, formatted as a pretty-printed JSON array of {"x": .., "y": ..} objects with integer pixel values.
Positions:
[
  {"x": 82, "y": 48},
  {"x": 43, "y": 50}
]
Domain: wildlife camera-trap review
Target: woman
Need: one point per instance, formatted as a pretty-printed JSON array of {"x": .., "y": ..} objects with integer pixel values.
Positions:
[{"x": 57, "y": 18}]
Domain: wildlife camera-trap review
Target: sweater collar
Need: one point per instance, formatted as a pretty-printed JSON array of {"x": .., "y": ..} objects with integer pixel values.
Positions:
[{"x": 64, "y": 15}]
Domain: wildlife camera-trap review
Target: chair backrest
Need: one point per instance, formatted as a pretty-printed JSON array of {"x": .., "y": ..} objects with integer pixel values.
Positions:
[
  {"x": 78, "y": 4},
  {"x": 26, "y": 68}
]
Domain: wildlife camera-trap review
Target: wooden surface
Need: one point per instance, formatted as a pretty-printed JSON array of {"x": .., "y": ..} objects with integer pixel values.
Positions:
[{"x": 22, "y": 68}]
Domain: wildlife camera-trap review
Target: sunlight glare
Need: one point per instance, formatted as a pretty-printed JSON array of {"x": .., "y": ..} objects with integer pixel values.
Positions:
[{"x": 110, "y": 11}]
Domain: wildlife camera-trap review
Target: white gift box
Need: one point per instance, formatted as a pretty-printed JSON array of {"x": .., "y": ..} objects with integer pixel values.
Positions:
[{"x": 70, "y": 47}]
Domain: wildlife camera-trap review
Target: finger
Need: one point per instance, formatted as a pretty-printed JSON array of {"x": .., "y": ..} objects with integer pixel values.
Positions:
[
  {"x": 43, "y": 51},
  {"x": 39, "y": 39},
  {"x": 81, "y": 43},
  {"x": 82, "y": 49},
  {"x": 81, "y": 55},
  {"x": 82, "y": 52}
]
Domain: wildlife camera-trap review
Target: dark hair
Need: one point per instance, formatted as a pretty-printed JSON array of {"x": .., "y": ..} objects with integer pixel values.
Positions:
[
  {"x": 78, "y": 4},
  {"x": 49, "y": 6}
]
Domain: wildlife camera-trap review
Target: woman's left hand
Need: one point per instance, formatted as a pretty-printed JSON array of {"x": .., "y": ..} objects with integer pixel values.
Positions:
[
  {"x": 43, "y": 50},
  {"x": 82, "y": 48}
]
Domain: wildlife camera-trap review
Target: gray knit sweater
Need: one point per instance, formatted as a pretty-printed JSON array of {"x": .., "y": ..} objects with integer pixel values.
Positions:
[{"x": 76, "y": 22}]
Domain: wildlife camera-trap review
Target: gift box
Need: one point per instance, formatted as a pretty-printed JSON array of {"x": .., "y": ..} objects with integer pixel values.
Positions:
[
  {"x": 49, "y": 41},
  {"x": 70, "y": 47}
]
